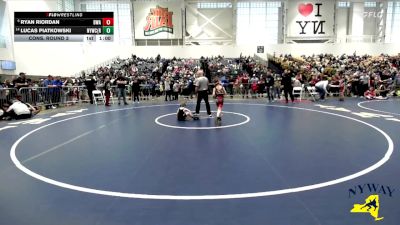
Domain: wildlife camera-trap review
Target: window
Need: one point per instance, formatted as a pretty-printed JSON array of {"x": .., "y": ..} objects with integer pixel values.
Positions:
[
  {"x": 214, "y": 5},
  {"x": 258, "y": 22},
  {"x": 60, "y": 5},
  {"x": 370, "y": 4},
  {"x": 122, "y": 16},
  {"x": 393, "y": 22},
  {"x": 343, "y": 4},
  {"x": 65, "y": 5}
]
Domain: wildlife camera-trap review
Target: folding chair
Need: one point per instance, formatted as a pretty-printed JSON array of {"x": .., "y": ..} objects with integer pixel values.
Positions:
[
  {"x": 297, "y": 92},
  {"x": 98, "y": 95},
  {"x": 311, "y": 90}
]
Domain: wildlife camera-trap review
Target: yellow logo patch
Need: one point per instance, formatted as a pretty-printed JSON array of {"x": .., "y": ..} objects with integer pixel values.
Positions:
[{"x": 370, "y": 206}]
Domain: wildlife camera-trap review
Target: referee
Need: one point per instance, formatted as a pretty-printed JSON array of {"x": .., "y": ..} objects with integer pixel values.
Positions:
[{"x": 201, "y": 84}]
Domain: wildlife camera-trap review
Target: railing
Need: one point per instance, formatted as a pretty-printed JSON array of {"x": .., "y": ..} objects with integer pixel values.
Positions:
[
  {"x": 261, "y": 60},
  {"x": 45, "y": 96},
  {"x": 6, "y": 95},
  {"x": 359, "y": 39},
  {"x": 95, "y": 67},
  {"x": 56, "y": 95},
  {"x": 68, "y": 95}
]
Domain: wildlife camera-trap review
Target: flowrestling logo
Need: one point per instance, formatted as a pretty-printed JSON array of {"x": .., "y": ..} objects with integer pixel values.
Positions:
[
  {"x": 158, "y": 20},
  {"x": 373, "y": 14}
]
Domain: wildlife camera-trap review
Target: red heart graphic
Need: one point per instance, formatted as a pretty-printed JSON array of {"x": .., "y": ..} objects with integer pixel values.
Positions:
[{"x": 305, "y": 9}]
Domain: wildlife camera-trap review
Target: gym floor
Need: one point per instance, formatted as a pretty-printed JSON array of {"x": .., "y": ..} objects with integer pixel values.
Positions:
[{"x": 304, "y": 163}]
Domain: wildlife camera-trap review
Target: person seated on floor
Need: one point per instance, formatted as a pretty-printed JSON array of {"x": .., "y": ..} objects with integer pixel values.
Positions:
[
  {"x": 20, "y": 110},
  {"x": 371, "y": 95},
  {"x": 183, "y": 113}
]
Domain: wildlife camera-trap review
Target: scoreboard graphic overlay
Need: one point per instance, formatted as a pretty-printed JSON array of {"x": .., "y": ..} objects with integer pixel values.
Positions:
[{"x": 64, "y": 26}]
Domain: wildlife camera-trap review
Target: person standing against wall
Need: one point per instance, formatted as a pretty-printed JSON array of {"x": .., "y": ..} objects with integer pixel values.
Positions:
[
  {"x": 57, "y": 90},
  {"x": 107, "y": 90},
  {"x": 135, "y": 89},
  {"x": 176, "y": 88},
  {"x": 277, "y": 86},
  {"x": 167, "y": 88},
  {"x": 90, "y": 83},
  {"x": 245, "y": 85},
  {"x": 121, "y": 84},
  {"x": 22, "y": 82},
  {"x": 269, "y": 82},
  {"x": 48, "y": 92},
  {"x": 201, "y": 88},
  {"x": 287, "y": 85}
]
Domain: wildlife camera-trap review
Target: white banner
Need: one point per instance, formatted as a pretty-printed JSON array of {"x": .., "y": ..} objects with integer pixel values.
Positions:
[
  {"x": 158, "y": 20},
  {"x": 307, "y": 19}
]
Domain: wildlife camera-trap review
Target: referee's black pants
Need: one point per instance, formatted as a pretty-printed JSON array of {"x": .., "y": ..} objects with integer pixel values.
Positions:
[
  {"x": 288, "y": 91},
  {"x": 200, "y": 96}
]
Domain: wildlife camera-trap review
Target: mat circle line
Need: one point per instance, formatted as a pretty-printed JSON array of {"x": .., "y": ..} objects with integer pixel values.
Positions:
[
  {"x": 157, "y": 121},
  {"x": 375, "y": 110},
  {"x": 365, "y": 171}
]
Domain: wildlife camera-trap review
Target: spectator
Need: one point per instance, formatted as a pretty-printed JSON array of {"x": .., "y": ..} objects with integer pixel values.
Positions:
[
  {"x": 231, "y": 82},
  {"x": 135, "y": 88},
  {"x": 287, "y": 85},
  {"x": 8, "y": 84},
  {"x": 176, "y": 88},
  {"x": 56, "y": 96},
  {"x": 107, "y": 90},
  {"x": 363, "y": 83},
  {"x": 21, "y": 81},
  {"x": 254, "y": 86},
  {"x": 90, "y": 84},
  {"x": 321, "y": 87},
  {"x": 270, "y": 85},
  {"x": 167, "y": 88},
  {"x": 296, "y": 82},
  {"x": 49, "y": 92},
  {"x": 370, "y": 94},
  {"x": 245, "y": 85},
  {"x": 121, "y": 85},
  {"x": 277, "y": 86}
]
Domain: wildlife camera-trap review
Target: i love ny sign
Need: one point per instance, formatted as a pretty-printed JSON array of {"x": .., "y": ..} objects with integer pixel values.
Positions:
[
  {"x": 305, "y": 9},
  {"x": 312, "y": 18}
]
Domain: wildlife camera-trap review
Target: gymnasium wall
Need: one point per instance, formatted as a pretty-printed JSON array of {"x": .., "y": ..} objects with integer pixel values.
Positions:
[
  {"x": 5, "y": 41},
  {"x": 198, "y": 28},
  {"x": 67, "y": 59},
  {"x": 67, "y": 62}
]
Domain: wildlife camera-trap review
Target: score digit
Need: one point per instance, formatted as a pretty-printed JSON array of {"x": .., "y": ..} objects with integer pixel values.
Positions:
[
  {"x": 108, "y": 30},
  {"x": 108, "y": 22}
]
